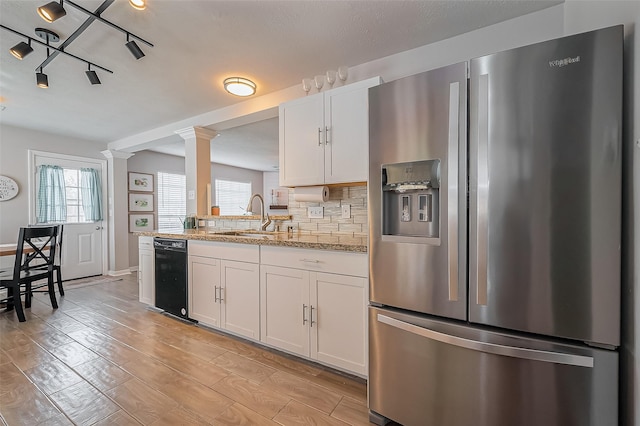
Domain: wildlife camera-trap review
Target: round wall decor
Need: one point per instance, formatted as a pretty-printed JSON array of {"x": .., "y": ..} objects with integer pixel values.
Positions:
[{"x": 8, "y": 188}]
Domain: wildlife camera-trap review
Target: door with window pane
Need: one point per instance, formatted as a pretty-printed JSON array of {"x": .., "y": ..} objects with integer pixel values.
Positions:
[
  {"x": 82, "y": 242},
  {"x": 64, "y": 195}
]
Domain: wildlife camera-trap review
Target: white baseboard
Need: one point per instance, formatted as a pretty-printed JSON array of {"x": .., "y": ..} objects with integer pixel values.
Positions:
[{"x": 119, "y": 273}]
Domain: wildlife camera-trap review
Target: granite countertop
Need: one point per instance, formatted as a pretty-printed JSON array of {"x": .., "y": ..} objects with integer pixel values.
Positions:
[{"x": 318, "y": 241}]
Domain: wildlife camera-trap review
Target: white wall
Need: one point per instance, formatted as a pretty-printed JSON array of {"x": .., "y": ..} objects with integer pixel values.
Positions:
[{"x": 14, "y": 145}]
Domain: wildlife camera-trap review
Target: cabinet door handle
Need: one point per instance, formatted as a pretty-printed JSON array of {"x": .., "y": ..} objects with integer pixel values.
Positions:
[
  {"x": 319, "y": 136},
  {"x": 304, "y": 313},
  {"x": 215, "y": 294},
  {"x": 326, "y": 135},
  {"x": 312, "y": 321},
  {"x": 220, "y": 298},
  {"x": 310, "y": 260}
]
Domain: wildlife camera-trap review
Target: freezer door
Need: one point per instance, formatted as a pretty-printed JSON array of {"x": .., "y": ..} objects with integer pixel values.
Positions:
[
  {"x": 545, "y": 187},
  {"x": 425, "y": 372},
  {"x": 417, "y": 132}
]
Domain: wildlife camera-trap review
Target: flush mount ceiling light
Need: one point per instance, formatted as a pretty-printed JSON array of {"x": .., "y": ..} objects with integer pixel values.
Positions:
[
  {"x": 239, "y": 86},
  {"x": 138, "y": 4},
  {"x": 52, "y": 11},
  {"x": 55, "y": 10},
  {"x": 21, "y": 49}
]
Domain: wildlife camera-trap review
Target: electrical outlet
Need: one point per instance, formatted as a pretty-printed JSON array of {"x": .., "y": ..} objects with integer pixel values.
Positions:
[
  {"x": 346, "y": 211},
  {"x": 315, "y": 212}
]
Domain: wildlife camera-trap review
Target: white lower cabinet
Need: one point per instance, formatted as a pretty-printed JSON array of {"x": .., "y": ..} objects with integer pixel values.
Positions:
[
  {"x": 146, "y": 271},
  {"x": 316, "y": 314},
  {"x": 285, "y": 308},
  {"x": 239, "y": 298},
  {"x": 338, "y": 321},
  {"x": 225, "y": 293},
  {"x": 204, "y": 283}
]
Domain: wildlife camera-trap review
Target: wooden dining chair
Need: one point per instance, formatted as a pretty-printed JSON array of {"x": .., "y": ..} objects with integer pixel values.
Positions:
[
  {"x": 57, "y": 262},
  {"x": 35, "y": 254}
]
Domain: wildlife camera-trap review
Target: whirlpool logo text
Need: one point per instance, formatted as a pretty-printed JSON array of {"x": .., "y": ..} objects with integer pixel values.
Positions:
[{"x": 563, "y": 62}]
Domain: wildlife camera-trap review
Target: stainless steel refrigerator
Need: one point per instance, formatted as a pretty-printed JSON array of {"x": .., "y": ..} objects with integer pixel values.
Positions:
[{"x": 495, "y": 229}]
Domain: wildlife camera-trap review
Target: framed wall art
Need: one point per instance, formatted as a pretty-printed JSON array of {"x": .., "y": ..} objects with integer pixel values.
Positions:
[
  {"x": 140, "y": 222},
  {"x": 140, "y": 202},
  {"x": 140, "y": 182}
]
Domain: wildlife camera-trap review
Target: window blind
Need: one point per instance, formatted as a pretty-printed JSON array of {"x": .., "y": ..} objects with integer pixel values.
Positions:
[
  {"x": 172, "y": 200},
  {"x": 232, "y": 197}
]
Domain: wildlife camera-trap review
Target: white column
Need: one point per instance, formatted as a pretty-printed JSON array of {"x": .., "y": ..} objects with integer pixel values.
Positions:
[
  {"x": 197, "y": 141},
  {"x": 118, "y": 217}
]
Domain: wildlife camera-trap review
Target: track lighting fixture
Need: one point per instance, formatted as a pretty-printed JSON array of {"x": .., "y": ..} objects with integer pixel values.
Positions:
[
  {"x": 239, "y": 86},
  {"x": 50, "y": 36},
  {"x": 55, "y": 10},
  {"x": 42, "y": 80},
  {"x": 138, "y": 4},
  {"x": 92, "y": 76},
  {"x": 52, "y": 11},
  {"x": 21, "y": 49},
  {"x": 134, "y": 48}
]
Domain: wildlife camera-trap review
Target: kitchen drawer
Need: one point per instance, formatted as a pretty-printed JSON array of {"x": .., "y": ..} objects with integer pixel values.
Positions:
[
  {"x": 228, "y": 251},
  {"x": 337, "y": 262},
  {"x": 145, "y": 243}
]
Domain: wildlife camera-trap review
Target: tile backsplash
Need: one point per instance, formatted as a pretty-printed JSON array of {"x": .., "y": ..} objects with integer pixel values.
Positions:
[{"x": 331, "y": 223}]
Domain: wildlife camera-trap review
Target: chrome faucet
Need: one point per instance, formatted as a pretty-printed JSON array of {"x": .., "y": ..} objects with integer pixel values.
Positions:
[{"x": 264, "y": 222}]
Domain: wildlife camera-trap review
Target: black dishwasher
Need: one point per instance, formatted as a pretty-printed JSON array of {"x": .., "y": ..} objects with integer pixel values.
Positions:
[{"x": 171, "y": 276}]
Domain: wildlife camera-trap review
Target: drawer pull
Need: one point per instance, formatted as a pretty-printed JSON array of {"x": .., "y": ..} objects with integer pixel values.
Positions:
[{"x": 310, "y": 260}]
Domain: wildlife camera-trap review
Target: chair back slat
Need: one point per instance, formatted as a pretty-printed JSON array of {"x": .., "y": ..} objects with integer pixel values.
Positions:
[{"x": 42, "y": 240}]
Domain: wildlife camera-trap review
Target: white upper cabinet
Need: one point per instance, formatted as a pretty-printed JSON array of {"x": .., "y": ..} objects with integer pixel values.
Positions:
[{"x": 324, "y": 138}]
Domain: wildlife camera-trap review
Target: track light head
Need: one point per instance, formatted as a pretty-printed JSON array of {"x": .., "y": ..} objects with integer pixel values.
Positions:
[
  {"x": 92, "y": 76},
  {"x": 52, "y": 11},
  {"x": 42, "y": 80},
  {"x": 21, "y": 49},
  {"x": 135, "y": 49}
]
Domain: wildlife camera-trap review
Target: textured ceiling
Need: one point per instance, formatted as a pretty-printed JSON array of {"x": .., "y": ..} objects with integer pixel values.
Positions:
[{"x": 197, "y": 45}]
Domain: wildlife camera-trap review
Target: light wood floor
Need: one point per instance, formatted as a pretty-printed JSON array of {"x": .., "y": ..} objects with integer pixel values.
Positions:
[{"x": 102, "y": 358}]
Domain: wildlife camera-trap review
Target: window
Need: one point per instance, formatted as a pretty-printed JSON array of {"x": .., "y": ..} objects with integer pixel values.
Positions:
[
  {"x": 75, "y": 213},
  {"x": 68, "y": 195},
  {"x": 232, "y": 197},
  {"x": 172, "y": 200}
]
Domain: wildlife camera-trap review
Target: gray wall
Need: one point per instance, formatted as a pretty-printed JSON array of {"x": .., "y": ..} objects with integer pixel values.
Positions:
[
  {"x": 14, "y": 145},
  {"x": 153, "y": 162}
]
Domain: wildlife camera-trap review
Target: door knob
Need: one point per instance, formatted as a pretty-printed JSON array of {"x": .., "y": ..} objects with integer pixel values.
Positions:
[{"x": 98, "y": 228}]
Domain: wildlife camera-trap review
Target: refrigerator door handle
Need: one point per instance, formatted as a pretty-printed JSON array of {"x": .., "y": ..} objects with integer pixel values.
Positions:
[
  {"x": 482, "y": 209},
  {"x": 490, "y": 348},
  {"x": 452, "y": 196}
]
